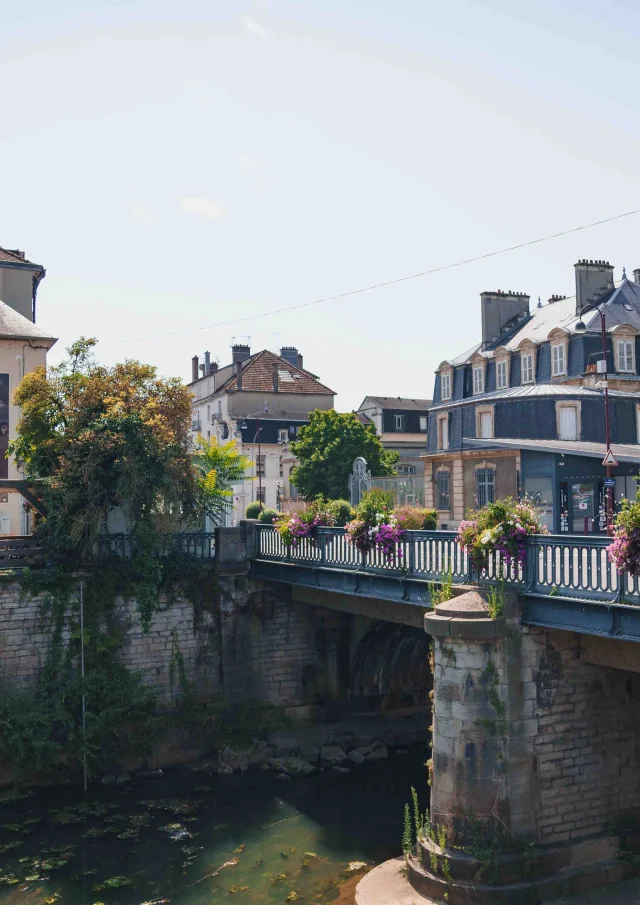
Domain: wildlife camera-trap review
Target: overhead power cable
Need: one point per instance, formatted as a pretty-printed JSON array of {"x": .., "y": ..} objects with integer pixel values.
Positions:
[{"x": 393, "y": 282}]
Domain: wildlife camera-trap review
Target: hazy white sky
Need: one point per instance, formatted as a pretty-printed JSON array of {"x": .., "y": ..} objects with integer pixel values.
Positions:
[{"x": 176, "y": 164}]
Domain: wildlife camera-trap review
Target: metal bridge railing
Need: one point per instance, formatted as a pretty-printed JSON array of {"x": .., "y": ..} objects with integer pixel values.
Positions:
[
  {"x": 563, "y": 565},
  {"x": 197, "y": 546}
]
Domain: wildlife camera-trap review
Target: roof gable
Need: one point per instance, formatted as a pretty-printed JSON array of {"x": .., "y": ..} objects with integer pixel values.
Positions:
[
  {"x": 257, "y": 376},
  {"x": 14, "y": 326}
]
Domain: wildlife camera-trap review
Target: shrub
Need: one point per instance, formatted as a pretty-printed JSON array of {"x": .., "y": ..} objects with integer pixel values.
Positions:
[
  {"x": 341, "y": 511},
  {"x": 293, "y": 528},
  {"x": 500, "y": 527},
  {"x": 413, "y": 518},
  {"x": 374, "y": 504},
  {"x": 624, "y": 552},
  {"x": 253, "y": 510},
  {"x": 375, "y": 525},
  {"x": 268, "y": 516}
]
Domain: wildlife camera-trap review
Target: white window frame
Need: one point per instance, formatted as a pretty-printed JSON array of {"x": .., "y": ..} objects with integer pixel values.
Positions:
[
  {"x": 625, "y": 362},
  {"x": 446, "y": 383},
  {"x": 502, "y": 373},
  {"x": 527, "y": 367},
  {"x": 424, "y": 421},
  {"x": 406, "y": 470},
  {"x": 478, "y": 379},
  {"x": 443, "y": 432},
  {"x": 398, "y": 421},
  {"x": 484, "y": 411},
  {"x": 559, "y": 359},
  {"x": 283, "y": 435},
  {"x": 568, "y": 405}
]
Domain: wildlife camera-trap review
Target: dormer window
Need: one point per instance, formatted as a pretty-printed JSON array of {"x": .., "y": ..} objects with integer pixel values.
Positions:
[
  {"x": 478, "y": 379},
  {"x": 558, "y": 360},
  {"x": 526, "y": 367},
  {"x": 501, "y": 374},
  {"x": 399, "y": 422},
  {"x": 445, "y": 385},
  {"x": 625, "y": 357}
]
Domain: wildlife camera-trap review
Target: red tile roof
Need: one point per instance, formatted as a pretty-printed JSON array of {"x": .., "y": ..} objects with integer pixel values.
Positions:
[
  {"x": 6, "y": 254},
  {"x": 257, "y": 376}
]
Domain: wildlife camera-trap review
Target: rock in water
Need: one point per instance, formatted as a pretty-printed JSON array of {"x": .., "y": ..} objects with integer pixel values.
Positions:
[
  {"x": 294, "y": 766},
  {"x": 331, "y": 755},
  {"x": 356, "y": 757},
  {"x": 379, "y": 754}
]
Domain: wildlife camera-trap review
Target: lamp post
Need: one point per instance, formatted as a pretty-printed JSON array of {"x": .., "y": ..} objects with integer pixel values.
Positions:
[
  {"x": 580, "y": 327},
  {"x": 257, "y": 437}
]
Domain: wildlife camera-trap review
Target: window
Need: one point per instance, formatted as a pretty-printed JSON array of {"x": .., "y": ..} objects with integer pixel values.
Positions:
[
  {"x": 478, "y": 380},
  {"x": 501, "y": 374},
  {"x": 445, "y": 385},
  {"x": 404, "y": 470},
  {"x": 261, "y": 494},
  {"x": 638, "y": 423},
  {"x": 443, "y": 432},
  {"x": 399, "y": 422},
  {"x": 281, "y": 468},
  {"x": 486, "y": 424},
  {"x": 283, "y": 436},
  {"x": 625, "y": 356},
  {"x": 208, "y": 414},
  {"x": 423, "y": 422},
  {"x": 558, "y": 366},
  {"x": 526, "y": 367},
  {"x": 485, "y": 486},
  {"x": 261, "y": 462},
  {"x": 443, "y": 499},
  {"x": 568, "y": 422},
  {"x": 293, "y": 492}
]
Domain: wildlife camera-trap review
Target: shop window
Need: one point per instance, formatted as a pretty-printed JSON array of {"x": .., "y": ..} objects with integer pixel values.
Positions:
[
  {"x": 540, "y": 490},
  {"x": 443, "y": 493},
  {"x": 485, "y": 486},
  {"x": 443, "y": 432}
]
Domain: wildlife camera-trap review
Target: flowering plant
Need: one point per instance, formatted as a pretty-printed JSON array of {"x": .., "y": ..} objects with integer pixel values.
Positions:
[
  {"x": 501, "y": 527},
  {"x": 624, "y": 552},
  {"x": 300, "y": 525},
  {"x": 375, "y": 526}
]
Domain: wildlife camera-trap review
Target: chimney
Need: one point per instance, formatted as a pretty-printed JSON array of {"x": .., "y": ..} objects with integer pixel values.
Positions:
[
  {"x": 593, "y": 280},
  {"x": 501, "y": 311},
  {"x": 556, "y": 298},
  {"x": 300, "y": 361},
  {"x": 238, "y": 365},
  {"x": 16, "y": 252},
  {"x": 290, "y": 354},
  {"x": 239, "y": 353},
  {"x": 275, "y": 377},
  {"x": 636, "y": 275},
  {"x": 207, "y": 363},
  {"x": 194, "y": 368},
  {"x": 213, "y": 367}
]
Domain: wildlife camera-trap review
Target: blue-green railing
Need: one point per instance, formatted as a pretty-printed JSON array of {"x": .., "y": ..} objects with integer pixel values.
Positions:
[
  {"x": 560, "y": 564},
  {"x": 197, "y": 546}
]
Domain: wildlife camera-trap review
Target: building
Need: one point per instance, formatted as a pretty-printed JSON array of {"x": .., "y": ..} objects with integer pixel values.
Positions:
[
  {"x": 523, "y": 410},
  {"x": 262, "y": 401},
  {"x": 23, "y": 347}
]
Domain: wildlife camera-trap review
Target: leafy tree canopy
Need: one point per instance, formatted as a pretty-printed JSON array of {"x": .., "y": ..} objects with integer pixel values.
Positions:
[
  {"x": 115, "y": 438},
  {"x": 326, "y": 448}
]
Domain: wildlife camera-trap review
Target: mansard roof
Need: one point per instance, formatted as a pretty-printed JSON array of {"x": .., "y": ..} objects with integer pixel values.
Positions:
[
  {"x": 624, "y": 452},
  {"x": 561, "y": 390}
]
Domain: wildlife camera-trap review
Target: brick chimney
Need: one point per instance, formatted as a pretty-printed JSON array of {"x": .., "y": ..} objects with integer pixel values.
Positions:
[
  {"x": 593, "y": 280},
  {"x": 195, "y": 368},
  {"x": 207, "y": 363},
  {"x": 556, "y": 298},
  {"x": 636, "y": 275},
  {"x": 501, "y": 311},
  {"x": 239, "y": 353},
  {"x": 290, "y": 354}
]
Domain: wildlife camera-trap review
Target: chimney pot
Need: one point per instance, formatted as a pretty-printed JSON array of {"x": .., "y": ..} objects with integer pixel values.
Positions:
[
  {"x": 593, "y": 280},
  {"x": 194, "y": 368},
  {"x": 290, "y": 354},
  {"x": 240, "y": 352},
  {"x": 213, "y": 367},
  {"x": 207, "y": 362}
]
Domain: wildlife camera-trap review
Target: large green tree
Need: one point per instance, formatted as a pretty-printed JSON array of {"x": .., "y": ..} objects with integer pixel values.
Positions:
[{"x": 326, "y": 448}]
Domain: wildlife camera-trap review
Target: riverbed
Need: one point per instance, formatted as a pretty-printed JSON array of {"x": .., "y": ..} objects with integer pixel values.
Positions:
[{"x": 190, "y": 838}]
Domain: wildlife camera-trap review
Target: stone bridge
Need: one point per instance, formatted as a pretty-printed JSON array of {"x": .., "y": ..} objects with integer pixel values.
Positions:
[{"x": 535, "y": 772}]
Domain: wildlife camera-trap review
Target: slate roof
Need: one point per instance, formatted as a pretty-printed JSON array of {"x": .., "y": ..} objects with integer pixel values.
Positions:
[
  {"x": 535, "y": 389},
  {"x": 257, "y": 376},
  {"x": 15, "y": 326},
  {"x": 622, "y": 451},
  {"x": 563, "y": 314},
  {"x": 12, "y": 257},
  {"x": 400, "y": 403}
]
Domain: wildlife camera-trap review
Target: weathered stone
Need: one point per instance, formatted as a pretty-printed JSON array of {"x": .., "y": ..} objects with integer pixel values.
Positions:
[
  {"x": 310, "y": 753},
  {"x": 356, "y": 757},
  {"x": 295, "y": 766},
  {"x": 337, "y": 769},
  {"x": 331, "y": 755},
  {"x": 224, "y": 769},
  {"x": 108, "y": 780},
  {"x": 380, "y": 753}
]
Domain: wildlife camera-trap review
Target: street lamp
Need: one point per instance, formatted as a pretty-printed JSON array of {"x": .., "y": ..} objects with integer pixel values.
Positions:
[
  {"x": 257, "y": 437},
  {"x": 580, "y": 328}
]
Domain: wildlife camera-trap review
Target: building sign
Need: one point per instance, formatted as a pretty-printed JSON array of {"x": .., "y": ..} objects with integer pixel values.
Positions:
[
  {"x": 564, "y": 507},
  {"x": 4, "y": 425}
]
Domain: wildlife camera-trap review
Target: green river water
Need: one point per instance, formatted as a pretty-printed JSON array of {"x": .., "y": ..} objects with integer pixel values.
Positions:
[{"x": 189, "y": 838}]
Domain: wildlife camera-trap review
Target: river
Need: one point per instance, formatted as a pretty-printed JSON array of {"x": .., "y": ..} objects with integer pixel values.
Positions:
[{"x": 190, "y": 838}]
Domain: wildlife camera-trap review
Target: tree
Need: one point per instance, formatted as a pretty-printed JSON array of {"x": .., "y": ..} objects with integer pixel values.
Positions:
[
  {"x": 326, "y": 448},
  {"x": 99, "y": 439},
  {"x": 218, "y": 467}
]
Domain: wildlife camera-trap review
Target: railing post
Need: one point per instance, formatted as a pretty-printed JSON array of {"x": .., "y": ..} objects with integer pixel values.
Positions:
[
  {"x": 323, "y": 540},
  {"x": 531, "y": 563},
  {"x": 411, "y": 558}
]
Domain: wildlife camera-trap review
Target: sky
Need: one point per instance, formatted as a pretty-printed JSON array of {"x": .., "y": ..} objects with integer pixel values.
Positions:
[{"x": 178, "y": 165}]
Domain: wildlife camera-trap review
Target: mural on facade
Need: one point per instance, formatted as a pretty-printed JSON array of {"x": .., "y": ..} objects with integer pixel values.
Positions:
[{"x": 4, "y": 425}]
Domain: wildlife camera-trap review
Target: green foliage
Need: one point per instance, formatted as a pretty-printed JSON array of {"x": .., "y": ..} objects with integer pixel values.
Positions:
[
  {"x": 341, "y": 512},
  {"x": 407, "y": 834},
  {"x": 484, "y": 847},
  {"x": 253, "y": 510},
  {"x": 440, "y": 593},
  {"x": 268, "y": 516},
  {"x": 326, "y": 449},
  {"x": 375, "y": 503},
  {"x": 414, "y": 518},
  {"x": 218, "y": 466},
  {"x": 495, "y": 601}
]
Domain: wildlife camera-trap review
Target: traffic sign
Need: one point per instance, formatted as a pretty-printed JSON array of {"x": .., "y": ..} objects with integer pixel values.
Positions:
[
  {"x": 610, "y": 459},
  {"x": 610, "y": 482}
]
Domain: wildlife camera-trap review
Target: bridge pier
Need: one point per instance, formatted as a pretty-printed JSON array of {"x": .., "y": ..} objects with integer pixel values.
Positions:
[{"x": 535, "y": 789}]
